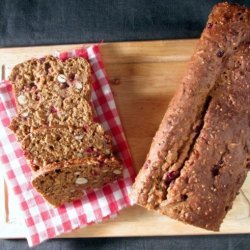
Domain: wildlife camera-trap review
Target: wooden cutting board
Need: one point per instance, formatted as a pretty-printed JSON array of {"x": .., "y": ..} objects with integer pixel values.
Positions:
[{"x": 143, "y": 78}]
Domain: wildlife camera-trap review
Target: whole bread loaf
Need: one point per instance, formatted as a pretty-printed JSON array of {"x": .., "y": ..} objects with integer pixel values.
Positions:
[
  {"x": 68, "y": 152},
  {"x": 199, "y": 156}
]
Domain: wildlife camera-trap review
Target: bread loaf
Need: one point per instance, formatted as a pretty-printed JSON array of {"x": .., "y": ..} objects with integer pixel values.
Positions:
[{"x": 199, "y": 156}]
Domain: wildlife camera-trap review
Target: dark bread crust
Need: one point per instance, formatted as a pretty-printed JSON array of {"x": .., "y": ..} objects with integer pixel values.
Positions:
[{"x": 198, "y": 157}]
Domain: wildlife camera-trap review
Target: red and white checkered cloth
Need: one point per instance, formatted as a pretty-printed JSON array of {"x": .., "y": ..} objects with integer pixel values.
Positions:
[{"x": 42, "y": 220}]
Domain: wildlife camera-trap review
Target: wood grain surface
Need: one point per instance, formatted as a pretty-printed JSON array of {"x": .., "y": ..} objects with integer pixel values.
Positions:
[{"x": 143, "y": 78}]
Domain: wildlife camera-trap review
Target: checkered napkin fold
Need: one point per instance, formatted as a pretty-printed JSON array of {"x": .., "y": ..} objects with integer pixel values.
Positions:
[{"x": 42, "y": 220}]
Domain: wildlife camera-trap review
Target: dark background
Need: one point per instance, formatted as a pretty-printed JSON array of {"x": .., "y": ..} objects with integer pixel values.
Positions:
[{"x": 24, "y": 23}]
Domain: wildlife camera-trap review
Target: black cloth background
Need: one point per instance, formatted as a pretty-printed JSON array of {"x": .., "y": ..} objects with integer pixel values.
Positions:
[
  {"x": 25, "y": 22},
  {"x": 41, "y": 22}
]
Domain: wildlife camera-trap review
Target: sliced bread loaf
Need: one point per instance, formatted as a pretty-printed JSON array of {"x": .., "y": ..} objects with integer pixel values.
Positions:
[{"x": 68, "y": 151}]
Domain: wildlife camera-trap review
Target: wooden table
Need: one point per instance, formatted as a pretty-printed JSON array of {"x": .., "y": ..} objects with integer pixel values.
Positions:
[{"x": 143, "y": 78}]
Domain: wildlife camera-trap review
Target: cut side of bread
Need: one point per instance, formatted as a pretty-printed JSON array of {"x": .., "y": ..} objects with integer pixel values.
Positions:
[
  {"x": 48, "y": 76},
  {"x": 198, "y": 158},
  {"x": 75, "y": 112},
  {"x": 55, "y": 144},
  {"x": 50, "y": 92},
  {"x": 67, "y": 181}
]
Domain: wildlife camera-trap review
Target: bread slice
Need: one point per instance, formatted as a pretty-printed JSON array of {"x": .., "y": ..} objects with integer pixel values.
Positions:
[
  {"x": 68, "y": 180},
  {"x": 76, "y": 113},
  {"x": 50, "y": 92},
  {"x": 199, "y": 156},
  {"x": 55, "y": 144}
]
